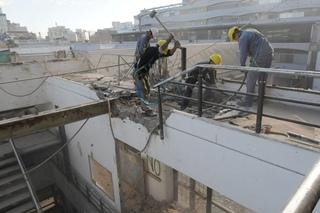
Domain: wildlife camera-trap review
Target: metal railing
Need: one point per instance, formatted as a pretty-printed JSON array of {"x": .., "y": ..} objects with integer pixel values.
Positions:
[
  {"x": 121, "y": 62},
  {"x": 260, "y": 95},
  {"x": 308, "y": 194},
  {"x": 25, "y": 176}
]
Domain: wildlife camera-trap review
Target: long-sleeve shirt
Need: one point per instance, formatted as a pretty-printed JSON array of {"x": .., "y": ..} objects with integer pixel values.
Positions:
[
  {"x": 253, "y": 44},
  {"x": 208, "y": 74},
  {"x": 149, "y": 57}
]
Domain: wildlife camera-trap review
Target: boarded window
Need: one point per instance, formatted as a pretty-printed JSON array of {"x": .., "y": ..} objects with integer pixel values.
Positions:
[{"x": 101, "y": 177}]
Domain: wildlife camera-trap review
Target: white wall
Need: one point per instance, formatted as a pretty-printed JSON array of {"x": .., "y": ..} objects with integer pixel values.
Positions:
[
  {"x": 94, "y": 139},
  {"x": 255, "y": 171}
]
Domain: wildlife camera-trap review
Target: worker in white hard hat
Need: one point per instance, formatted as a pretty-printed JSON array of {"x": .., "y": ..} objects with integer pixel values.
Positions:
[
  {"x": 141, "y": 72},
  {"x": 254, "y": 44},
  {"x": 208, "y": 75}
]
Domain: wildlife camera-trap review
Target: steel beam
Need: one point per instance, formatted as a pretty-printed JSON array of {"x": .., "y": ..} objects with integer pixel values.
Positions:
[
  {"x": 308, "y": 194},
  {"x": 16, "y": 127}
]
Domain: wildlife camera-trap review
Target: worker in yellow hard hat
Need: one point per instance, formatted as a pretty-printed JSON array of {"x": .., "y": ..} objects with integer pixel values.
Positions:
[
  {"x": 208, "y": 75},
  {"x": 141, "y": 72},
  {"x": 255, "y": 45}
]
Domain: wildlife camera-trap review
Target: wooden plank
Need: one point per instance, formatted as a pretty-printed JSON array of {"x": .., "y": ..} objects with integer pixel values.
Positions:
[{"x": 30, "y": 123}]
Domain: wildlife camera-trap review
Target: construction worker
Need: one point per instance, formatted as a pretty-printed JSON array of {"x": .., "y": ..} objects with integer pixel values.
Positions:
[
  {"x": 142, "y": 44},
  {"x": 208, "y": 75},
  {"x": 141, "y": 73},
  {"x": 254, "y": 44}
]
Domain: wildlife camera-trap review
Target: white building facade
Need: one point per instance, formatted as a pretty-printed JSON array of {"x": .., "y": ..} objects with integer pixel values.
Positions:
[{"x": 61, "y": 33}]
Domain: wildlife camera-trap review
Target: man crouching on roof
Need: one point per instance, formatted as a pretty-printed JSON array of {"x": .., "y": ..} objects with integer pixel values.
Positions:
[{"x": 141, "y": 73}]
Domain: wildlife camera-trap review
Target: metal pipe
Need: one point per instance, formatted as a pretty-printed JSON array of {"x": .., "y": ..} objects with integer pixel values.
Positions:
[
  {"x": 160, "y": 113},
  {"x": 200, "y": 98},
  {"x": 33, "y": 196},
  {"x": 119, "y": 70},
  {"x": 308, "y": 194},
  {"x": 262, "y": 86}
]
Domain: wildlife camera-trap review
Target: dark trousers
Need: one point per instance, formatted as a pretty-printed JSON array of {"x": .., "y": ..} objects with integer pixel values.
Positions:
[
  {"x": 188, "y": 91},
  {"x": 252, "y": 77}
]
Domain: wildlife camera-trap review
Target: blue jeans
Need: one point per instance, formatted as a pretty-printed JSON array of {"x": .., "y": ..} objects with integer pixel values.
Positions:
[{"x": 142, "y": 88}]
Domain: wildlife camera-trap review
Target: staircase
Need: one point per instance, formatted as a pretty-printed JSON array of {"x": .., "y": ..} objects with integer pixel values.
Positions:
[{"x": 14, "y": 194}]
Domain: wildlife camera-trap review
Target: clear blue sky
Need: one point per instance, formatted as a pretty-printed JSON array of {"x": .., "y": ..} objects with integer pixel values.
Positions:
[{"x": 38, "y": 15}]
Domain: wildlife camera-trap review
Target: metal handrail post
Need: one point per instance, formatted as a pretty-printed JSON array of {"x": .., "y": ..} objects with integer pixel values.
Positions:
[
  {"x": 160, "y": 113},
  {"x": 33, "y": 196},
  {"x": 308, "y": 194},
  {"x": 119, "y": 71},
  {"x": 200, "y": 98},
  {"x": 261, "y": 93},
  {"x": 183, "y": 60}
]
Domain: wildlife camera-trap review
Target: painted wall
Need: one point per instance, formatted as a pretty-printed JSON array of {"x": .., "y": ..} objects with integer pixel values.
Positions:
[
  {"x": 253, "y": 170},
  {"x": 95, "y": 139}
]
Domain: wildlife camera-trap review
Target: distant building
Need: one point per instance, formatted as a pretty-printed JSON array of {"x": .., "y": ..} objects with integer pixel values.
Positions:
[
  {"x": 122, "y": 27},
  {"x": 102, "y": 36},
  {"x": 287, "y": 24},
  {"x": 18, "y": 32},
  {"x": 81, "y": 35},
  {"x": 61, "y": 33},
  {"x": 3, "y": 23}
]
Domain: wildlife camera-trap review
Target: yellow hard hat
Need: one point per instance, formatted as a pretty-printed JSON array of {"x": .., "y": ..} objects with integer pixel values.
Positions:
[
  {"x": 216, "y": 58},
  {"x": 161, "y": 43},
  {"x": 231, "y": 33}
]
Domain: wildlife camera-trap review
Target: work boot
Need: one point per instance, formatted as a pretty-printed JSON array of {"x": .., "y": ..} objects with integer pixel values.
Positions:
[{"x": 150, "y": 113}]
